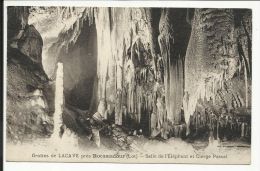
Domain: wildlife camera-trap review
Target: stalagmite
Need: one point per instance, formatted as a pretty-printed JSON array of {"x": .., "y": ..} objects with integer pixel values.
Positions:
[{"x": 59, "y": 102}]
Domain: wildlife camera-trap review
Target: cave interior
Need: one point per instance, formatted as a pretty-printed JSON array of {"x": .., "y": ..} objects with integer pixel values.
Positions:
[{"x": 159, "y": 72}]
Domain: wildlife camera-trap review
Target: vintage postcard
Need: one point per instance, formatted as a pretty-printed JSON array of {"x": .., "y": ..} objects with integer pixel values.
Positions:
[{"x": 128, "y": 84}]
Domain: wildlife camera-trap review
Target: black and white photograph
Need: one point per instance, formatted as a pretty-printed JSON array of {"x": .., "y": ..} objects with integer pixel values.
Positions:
[{"x": 128, "y": 84}]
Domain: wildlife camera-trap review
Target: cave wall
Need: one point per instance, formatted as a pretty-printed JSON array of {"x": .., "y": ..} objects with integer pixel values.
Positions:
[
  {"x": 30, "y": 98},
  {"x": 217, "y": 72}
]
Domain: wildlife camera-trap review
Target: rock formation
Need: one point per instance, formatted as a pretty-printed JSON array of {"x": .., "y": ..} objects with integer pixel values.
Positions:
[
  {"x": 29, "y": 93},
  {"x": 153, "y": 67}
]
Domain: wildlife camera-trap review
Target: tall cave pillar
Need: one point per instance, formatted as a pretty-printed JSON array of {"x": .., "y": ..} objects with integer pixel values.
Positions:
[{"x": 173, "y": 38}]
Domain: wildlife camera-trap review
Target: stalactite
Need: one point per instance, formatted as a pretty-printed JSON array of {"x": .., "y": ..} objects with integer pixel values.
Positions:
[
  {"x": 103, "y": 36},
  {"x": 173, "y": 61}
]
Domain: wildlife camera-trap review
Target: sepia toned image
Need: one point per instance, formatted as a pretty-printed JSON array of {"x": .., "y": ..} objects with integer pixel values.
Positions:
[{"x": 128, "y": 85}]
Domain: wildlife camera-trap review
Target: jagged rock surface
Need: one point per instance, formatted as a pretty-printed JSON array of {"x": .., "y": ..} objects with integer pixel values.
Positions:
[
  {"x": 30, "y": 99},
  {"x": 31, "y": 44}
]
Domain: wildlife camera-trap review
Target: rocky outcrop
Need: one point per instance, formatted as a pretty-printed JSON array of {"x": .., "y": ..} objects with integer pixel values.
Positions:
[
  {"x": 30, "y": 98},
  {"x": 31, "y": 44},
  {"x": 23, "y": 36}
]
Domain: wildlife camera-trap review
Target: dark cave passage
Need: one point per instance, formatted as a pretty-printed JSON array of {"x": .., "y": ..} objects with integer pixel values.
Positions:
[{"x": 80, "y": 68}]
